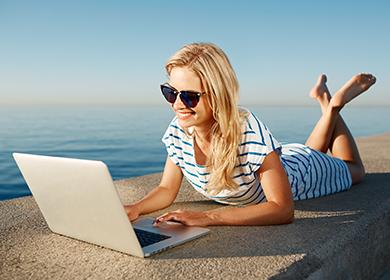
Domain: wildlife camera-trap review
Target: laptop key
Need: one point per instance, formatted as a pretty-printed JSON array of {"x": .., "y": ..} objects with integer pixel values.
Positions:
[{"x": 147, "y": 238}]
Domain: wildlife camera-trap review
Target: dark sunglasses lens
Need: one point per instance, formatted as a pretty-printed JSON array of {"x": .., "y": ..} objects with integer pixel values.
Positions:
[
  {"x": 191, "y": 99},
  {"x": 169, "y": 94}
]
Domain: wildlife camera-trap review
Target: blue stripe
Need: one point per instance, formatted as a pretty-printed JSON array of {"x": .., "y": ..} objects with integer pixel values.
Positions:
[
  {"x": 318, "y": 168},
  {"x": 249, "y": 124},
  {"x": 242, "y": 174},
  {"x": 257, "y": 196},
  {"x": 335, "y": 177},
  {"x": 245, "y": 199},
  {"x": 345, "y": 167},
  {"x": 192, "y": 174},
  {"x": 285, "y": 161},
  {"x": 260, "y": 130},
  {"x": 249, "y": 132},
  {"x": 299, "y": 158},
  {"x": 242, "y": 164},
  {"x": 179, "y": 138},
  {"x": 189, "y": 163},
  {"x": 327, "y": 186},
  {"x": 186, "y": 143},
  {"x": 301, "y": 161},
  {"x": 299, "y": 168},
  {"x": 246, "y": 184},
  {"x": 196, "y": 185},
  {"x": 324, "y": 171},
  {"x": 321, "y": 173},
  {"x": 341, "y": 175},
  {"x": 270, "y": 138},
  {"x": 345, "y": 177},
  {"x": 175, "y": 158},
  {"x": 202, "y": 174},
  {"x": 252, "y": 142},
  {"x": 338, "y": 175},
  {"x": 175, "y": 126},
  {"x": 301, "y": 150},
  {"x": 314, "y": 176},
  {"x": 253, "y": 153},
  {"x": 332, "y": 186},
  {"x": 187, "y": 153},
  {"x": 173, "y": 145},
  {"x": 311, "y": 177}
]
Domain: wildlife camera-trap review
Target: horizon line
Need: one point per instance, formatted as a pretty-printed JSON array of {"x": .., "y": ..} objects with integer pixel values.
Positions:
[{"x": 123, "y": 104}]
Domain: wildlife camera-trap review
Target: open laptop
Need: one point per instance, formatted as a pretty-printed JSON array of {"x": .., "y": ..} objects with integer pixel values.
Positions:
[{"x": 78, "y": 199}]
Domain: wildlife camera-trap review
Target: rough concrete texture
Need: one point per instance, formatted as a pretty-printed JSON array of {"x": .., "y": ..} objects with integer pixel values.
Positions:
[{"x": 343, "y": 236}]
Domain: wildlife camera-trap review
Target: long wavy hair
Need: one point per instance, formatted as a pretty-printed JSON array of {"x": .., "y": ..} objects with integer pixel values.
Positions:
[{"x": 219, "y": 80}]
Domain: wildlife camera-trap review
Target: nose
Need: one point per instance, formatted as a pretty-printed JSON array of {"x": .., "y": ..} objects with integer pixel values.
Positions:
[{"x": 178, "y": 103}]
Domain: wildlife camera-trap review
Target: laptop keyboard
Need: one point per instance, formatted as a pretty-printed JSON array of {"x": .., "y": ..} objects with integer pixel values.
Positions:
[{"x": 147, "y": 238}]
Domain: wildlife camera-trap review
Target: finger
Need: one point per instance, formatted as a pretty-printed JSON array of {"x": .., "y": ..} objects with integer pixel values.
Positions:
[
  {"x": 179, "y": 211},
  {"x": 163, "y": 215},
  {"x": 172, "y": 216},
  {"x": 162, "y": 218}
]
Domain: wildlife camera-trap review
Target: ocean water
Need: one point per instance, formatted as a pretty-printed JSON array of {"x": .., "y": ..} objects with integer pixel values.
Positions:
[{"x": 128, "y": 138}]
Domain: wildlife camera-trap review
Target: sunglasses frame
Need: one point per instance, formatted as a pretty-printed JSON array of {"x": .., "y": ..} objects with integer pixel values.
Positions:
[{"x": 179, "y": 93}]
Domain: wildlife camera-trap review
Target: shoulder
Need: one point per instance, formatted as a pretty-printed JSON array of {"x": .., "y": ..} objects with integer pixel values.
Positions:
[
  {"x": 174, "y": 131},
  {"x": 257, "y": 141},
  {"x": 176, "y": 136},
  {"x": 251, "y": 124}
]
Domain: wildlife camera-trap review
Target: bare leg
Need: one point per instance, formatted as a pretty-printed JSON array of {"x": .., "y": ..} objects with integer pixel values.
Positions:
[{"x": 331, "y": 132}]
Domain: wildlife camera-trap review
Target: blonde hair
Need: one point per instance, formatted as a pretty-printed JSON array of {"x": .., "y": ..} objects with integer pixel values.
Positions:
[{"x": 219, "y": 80}]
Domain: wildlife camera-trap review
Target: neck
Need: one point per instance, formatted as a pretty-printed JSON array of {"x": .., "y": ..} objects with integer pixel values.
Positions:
[{"x": 203, "y": 133}]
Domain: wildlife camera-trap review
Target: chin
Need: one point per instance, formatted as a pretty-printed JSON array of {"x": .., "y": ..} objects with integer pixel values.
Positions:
[{"x": 185, "y": 123}]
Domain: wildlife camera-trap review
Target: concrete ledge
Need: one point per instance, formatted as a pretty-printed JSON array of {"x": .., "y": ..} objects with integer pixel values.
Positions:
[{"x": 343, "y": 236}]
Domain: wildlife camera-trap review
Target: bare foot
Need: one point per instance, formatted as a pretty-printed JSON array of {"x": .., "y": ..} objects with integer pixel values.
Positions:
[
  {"x": 321, "y": 93},
  {"x": 318, "y": 91},
  {"x": 355, "y": 86}
]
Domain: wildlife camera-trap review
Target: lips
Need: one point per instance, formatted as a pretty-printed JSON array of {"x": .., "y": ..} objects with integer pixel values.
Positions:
[{"x": 184, "y": 115}]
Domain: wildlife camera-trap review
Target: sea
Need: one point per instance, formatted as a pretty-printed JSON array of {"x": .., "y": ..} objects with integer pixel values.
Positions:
[{"x": 128, "y": 137}]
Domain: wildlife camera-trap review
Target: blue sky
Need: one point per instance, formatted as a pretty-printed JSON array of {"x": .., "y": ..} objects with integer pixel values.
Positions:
[{"x": 113, "y": 52}]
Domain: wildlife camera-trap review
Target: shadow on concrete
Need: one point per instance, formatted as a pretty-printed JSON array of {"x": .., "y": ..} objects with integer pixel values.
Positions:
[{"x": 318, "y": 223}]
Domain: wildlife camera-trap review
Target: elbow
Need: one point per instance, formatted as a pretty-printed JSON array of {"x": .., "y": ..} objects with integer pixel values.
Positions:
[
  {"x": 287, "y": 214},
  {"x": 289, "y": 217}
]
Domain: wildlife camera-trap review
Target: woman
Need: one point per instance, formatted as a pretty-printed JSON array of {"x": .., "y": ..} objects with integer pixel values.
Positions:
[{"x": 230, "y": 156}]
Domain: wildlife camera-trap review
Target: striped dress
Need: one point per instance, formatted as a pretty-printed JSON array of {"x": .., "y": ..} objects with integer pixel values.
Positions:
[{"x": 310, "y": 173}]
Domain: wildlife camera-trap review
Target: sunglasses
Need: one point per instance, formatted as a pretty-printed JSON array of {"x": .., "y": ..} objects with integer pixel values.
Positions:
[{"x": 188, "y": 97}]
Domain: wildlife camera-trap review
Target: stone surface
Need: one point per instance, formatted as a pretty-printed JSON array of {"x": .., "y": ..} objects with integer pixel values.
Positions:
[{"x": 342, "y": 236}]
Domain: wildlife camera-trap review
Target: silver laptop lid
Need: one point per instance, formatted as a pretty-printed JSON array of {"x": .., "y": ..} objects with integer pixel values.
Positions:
[{"x": 63, "y": 186}]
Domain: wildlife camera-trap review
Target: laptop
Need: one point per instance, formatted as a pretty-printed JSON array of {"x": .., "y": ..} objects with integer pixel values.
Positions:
[{"x": 78, "y": 199}]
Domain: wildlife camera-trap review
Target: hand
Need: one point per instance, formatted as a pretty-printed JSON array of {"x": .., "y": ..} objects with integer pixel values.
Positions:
[
  {"x": 188, "y": 218},
  {"x": 132, "y": 211}
]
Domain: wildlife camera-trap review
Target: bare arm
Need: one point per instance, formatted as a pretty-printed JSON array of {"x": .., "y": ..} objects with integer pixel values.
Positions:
[
  {"x": 279, "y": 208},
  {"x": 160, "y": 197}
]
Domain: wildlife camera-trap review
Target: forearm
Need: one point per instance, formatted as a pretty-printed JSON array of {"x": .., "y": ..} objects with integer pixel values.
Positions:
[
  {"x": 267, "y": 213},
  {"x": 159, "y": 198}
]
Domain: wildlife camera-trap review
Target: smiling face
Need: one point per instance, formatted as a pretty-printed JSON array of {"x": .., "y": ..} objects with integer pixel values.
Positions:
[{"x": 182, "y": 78}]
